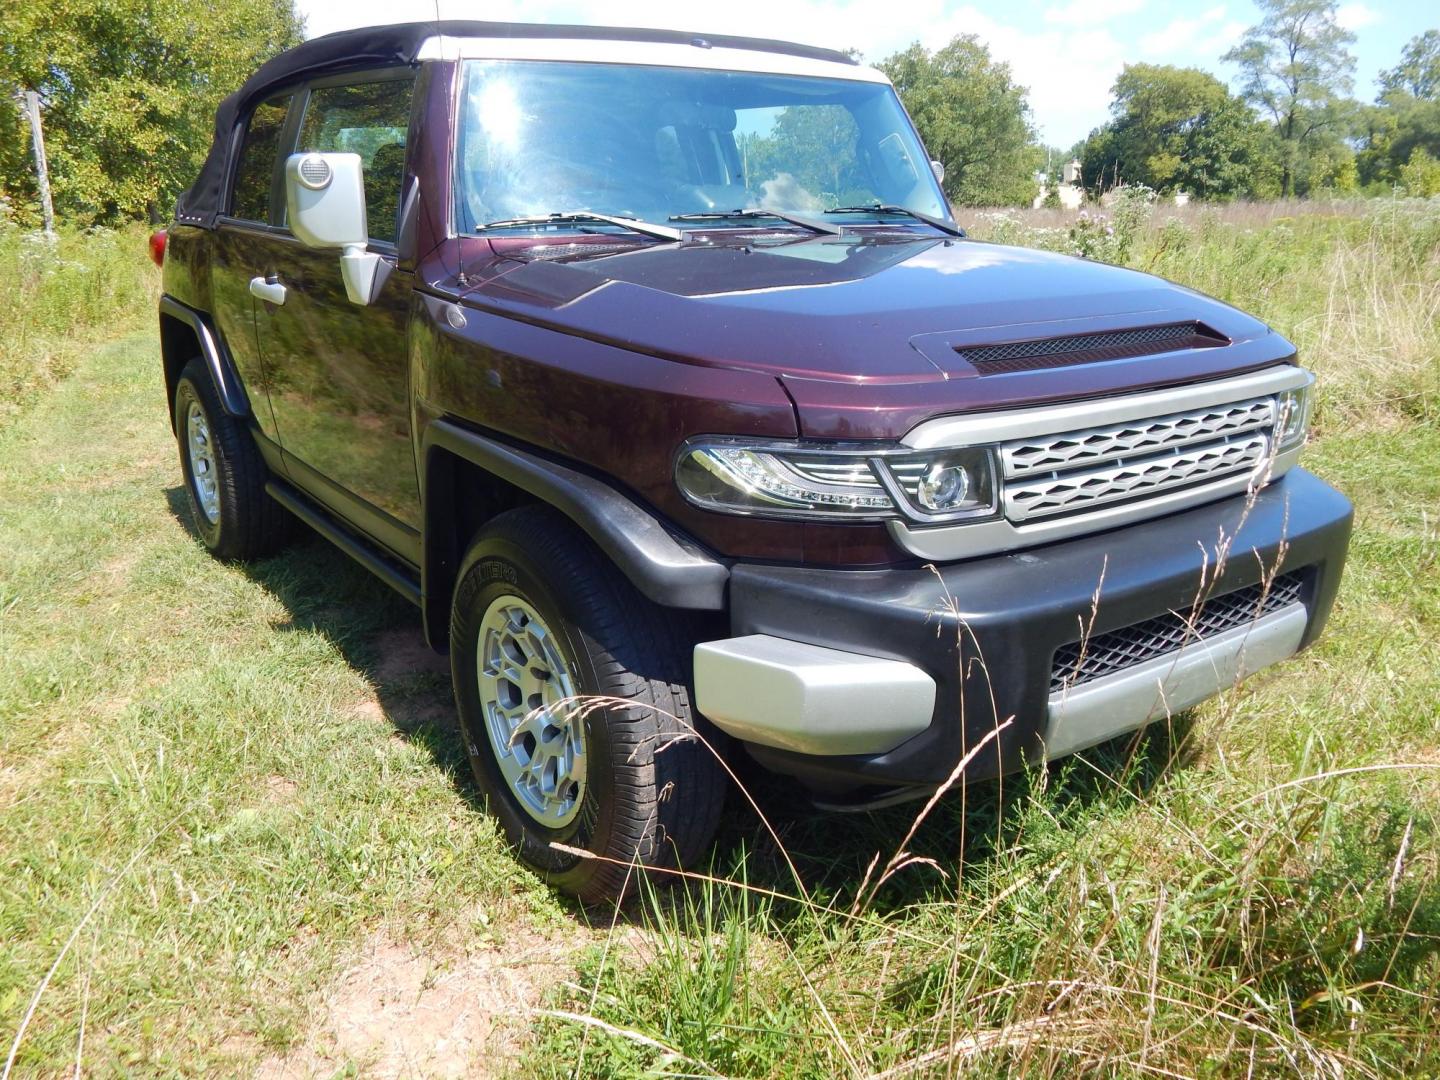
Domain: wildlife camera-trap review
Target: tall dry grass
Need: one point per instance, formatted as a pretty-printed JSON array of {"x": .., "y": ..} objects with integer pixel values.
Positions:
[{"x": 1354, "y": 284}]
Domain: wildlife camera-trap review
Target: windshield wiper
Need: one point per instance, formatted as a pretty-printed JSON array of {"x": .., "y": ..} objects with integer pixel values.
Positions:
[
  {"x": 568, "y": 217},
  {"x": 822, "y": 227},
  {"x": 880, "y": 208}
]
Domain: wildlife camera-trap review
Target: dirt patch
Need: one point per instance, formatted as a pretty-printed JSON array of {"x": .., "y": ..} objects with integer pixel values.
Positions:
[
  {"x": 402, "y": 653},
  {"x": 119, "y": 566},
  {"x": 396, "y": 1012},
  {"x": 280, "y": 789},
  {"x": 369, "y": 709}
]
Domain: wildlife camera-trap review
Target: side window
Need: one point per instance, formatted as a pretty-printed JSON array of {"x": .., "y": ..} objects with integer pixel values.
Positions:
[
  {"x": 371, "y": 119},
  {"x": 255, "y": 169}
]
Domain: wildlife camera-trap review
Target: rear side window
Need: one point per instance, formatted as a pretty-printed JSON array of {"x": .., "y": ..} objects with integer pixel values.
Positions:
[
  {"x": 255, "y": 172},
  {"x": 371, "y": 119}
]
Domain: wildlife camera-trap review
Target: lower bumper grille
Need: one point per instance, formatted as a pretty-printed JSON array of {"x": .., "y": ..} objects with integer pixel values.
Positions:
[{"x": 1106, "y": 654}]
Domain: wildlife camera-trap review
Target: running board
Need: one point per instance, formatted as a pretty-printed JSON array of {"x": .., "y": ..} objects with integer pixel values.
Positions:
[{"x": 384, "y": 566}]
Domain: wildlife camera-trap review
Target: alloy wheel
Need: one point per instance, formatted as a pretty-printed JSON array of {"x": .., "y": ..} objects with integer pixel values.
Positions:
[{"x": 535, "y": 726}]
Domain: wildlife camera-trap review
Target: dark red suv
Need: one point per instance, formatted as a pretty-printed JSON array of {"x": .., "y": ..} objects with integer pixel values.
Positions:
[{"x": 655, "y": 370}]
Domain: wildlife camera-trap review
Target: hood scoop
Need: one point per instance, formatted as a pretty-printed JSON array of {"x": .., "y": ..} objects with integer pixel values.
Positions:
[{"x": 1011, "y": 356}]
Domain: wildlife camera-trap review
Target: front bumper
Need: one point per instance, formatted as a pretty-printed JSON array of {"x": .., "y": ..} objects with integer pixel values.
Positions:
[{"x": 985, "y": 632}]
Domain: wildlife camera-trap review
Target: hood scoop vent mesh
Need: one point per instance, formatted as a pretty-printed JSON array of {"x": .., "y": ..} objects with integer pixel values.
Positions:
[
  {"x": 1014, "y": 356},
  {"x": 567, "y": 251}
]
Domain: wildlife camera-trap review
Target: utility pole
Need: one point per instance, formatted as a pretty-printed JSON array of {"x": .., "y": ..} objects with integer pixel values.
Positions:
[{"x": 42, "y": 173}]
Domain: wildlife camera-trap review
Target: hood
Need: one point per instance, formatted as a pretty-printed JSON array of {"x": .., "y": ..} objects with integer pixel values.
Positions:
[{"x": 891, "y": 314}]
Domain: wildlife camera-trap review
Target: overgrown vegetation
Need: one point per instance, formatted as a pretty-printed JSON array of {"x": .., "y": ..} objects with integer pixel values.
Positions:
[
  {"x": 66, "y": 295},
  {"x": 220, "y": 786}
]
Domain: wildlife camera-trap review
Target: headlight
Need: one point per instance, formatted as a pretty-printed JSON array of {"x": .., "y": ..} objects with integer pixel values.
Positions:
[
  {"x": 830, "y": 482},
  {"x": 1292, "y": 417},
  {"x": 947, "y": 482}
]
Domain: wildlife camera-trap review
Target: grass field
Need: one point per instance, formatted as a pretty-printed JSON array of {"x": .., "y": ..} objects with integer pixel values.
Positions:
[{"x": 237, "y": 836}]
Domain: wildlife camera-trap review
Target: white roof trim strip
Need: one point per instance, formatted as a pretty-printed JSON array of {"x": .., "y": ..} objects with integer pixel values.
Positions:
[{"x": 654, "y": 54}]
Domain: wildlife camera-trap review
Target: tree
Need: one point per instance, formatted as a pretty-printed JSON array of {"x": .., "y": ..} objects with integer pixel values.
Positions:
[
  {"x": 130, "y": 89},
  {"x": 1418, "y": 73},
  {"x": 973, "y": 118},
  {"x": 1176, "y": 129},
  {"x": 1405, "y": 120},
  {"x": 1296, "y": 68},
  {"x": 1392, "y": 132},
  {"x": 1420, "y": 176}
]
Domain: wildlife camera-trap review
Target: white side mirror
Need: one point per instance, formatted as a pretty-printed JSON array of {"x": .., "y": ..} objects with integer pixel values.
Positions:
[
  {"x": 325, "y": 200},
  {"x": 938, "y": 168}
]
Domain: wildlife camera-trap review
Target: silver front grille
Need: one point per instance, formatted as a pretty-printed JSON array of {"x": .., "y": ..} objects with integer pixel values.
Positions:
[
  {"x": 1076, "y": 467},
  {"x": 1078, "y": 470},
  {"x": 1077, "y": 449},
  {"x": 1068, "y": 492}
]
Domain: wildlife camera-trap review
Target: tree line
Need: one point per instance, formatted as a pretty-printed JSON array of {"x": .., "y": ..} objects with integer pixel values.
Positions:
[
  {"x": 130, "y": 87},
  {"x": 129, "y": 90},
  {"x": 1289, "y": 128}
]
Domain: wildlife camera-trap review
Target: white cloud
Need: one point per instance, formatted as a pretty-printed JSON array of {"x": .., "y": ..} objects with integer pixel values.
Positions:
[
  {"x": 1183, "y": 33},
  {"x": 1355, "y": 16},
  {"x": 1089, "y": 12},
  {"x": 1069, "y": 71}
]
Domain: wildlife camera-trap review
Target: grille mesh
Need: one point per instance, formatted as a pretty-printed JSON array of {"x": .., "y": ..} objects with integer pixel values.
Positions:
[
  {"x": 1087, "y": 348},
  {"x": 1105, "y": 654}
]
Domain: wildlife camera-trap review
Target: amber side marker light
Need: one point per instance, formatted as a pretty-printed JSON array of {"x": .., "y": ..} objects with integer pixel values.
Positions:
[{"x": 157, "y": 247}]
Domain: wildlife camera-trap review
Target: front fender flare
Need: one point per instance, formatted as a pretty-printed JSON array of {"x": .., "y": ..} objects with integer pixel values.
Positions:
[{"x": 668, "y": 568}]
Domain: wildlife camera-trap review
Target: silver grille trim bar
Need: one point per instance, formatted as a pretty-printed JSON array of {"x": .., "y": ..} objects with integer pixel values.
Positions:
[{"x": 1078, "y": 467}]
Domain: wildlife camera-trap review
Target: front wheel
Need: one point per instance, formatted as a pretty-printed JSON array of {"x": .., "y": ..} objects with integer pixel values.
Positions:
[{"x": 572, "y": 695}]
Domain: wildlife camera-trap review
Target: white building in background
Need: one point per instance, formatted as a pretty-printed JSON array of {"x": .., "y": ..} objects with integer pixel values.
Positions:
[{"x": 1069, "y": 189}]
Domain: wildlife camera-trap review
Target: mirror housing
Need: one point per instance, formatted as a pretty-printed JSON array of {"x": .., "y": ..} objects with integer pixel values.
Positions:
[
  {"x": 325, "y": 197},
  {"x": 325, "y": 204},
  {"x": 938, "y": 168}
]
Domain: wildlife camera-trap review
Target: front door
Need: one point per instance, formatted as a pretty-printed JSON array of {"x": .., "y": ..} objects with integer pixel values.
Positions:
[
  {"x": 338, "y": 372},
  {"x": 241, "y": 238}
]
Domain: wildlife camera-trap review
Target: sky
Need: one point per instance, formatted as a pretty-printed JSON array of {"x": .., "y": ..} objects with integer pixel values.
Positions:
[{"x": 1067, "y": 52}]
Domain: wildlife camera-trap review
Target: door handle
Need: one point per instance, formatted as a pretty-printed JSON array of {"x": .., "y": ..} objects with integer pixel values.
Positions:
[{"x": 270, "y": 291}]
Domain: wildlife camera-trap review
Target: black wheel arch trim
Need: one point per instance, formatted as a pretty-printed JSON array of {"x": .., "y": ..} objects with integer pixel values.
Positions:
[
  {"x": 666, "y": 568},
  {"x": 212, "y": 350}
]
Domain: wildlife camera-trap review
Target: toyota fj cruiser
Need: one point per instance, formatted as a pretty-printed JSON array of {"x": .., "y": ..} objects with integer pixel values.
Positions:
[{"x": 656, "y": 371}]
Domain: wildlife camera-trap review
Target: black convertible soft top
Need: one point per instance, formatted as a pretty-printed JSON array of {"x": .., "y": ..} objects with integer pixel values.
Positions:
[{"x": 393, "y": 46}]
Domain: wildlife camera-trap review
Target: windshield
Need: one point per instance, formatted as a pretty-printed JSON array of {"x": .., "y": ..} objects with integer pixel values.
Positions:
[{"x": 540, "y": 137}]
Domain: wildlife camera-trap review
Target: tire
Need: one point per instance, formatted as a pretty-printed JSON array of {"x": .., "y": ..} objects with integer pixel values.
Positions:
[
  {"x": 234, "y": 517},
  {"x": 635, "y": 803}
]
